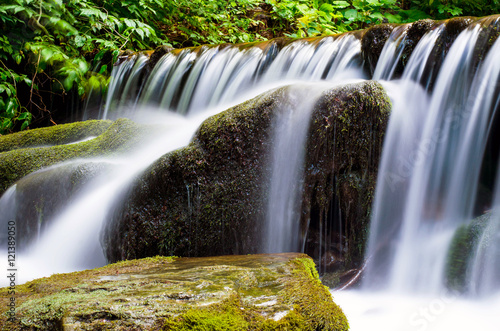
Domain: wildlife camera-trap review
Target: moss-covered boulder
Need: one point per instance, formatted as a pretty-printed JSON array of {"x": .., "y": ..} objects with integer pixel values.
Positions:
[
  {"x": 344, "y": 149},
  {"x": 259, "y": 292},
  {"x": 54, "y": 135},
  {"x": 25, "y": 152},
  {"x": 210, "y": 198},
  {"x": 462, "y": 250}
]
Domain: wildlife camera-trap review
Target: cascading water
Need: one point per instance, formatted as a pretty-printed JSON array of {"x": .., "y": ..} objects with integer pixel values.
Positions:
[
  {"x": 194, "y": 79},
  {"x": 283, "y": 234},
  {"x": 426, "y": 190},
  {"x": 71, "y": 242},
  {"x": 183, "y": 80}
]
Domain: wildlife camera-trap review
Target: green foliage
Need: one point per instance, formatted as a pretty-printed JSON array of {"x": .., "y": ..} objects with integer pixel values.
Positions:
[
  {"x": 46, "y": 45},
  {"x": 311, "y": 18},
  {"x": 11, "y": 111}
]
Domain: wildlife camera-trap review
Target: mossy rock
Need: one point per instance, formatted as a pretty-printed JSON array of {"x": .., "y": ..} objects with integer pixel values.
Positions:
[
  {"x": 22, "y": 156},
  {"x": 372, "y": 44},
  {"x": 345, "y": 144},
  {"x": 45, "y": 193},
  {"x": 251, "y": 292},
  {"x": 462, "y": 249},
  {"x": 54, "y": 135},
  {"x": 210, "y": 198}
]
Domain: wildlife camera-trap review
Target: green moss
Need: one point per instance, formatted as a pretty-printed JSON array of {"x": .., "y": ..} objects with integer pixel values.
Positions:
[
  {"x": 311, "y": 299},
  {"x": 248, "y": 292},
  {"x": 55, "y": 135},
  {"x": 462, "y": 249},
  {"x": 226, "y": 316},
  {"x": 120, "y": 136}
]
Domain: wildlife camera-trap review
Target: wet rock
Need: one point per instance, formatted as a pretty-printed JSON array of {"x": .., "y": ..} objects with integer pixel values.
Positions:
[
  {"x": 29, "y": 151},
  {"x": 210, "y": 198},
  {"x": 372, "y": 43},
  {"x": 462, "y": 249},
  {"x": 259, "y": 292}
]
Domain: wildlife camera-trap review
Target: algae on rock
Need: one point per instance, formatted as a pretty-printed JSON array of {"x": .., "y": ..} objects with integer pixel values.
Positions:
[{"x": 252, "y": 292}]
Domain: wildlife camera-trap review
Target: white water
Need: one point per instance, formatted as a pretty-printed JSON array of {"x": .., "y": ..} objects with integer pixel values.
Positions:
[
  {"x": 192, "y": 80},
  {"x": 334, "y": 60},
  {"x": 426, "y": 188},
  {"x": 397, "y": 312},
  {"x": 391, "y": 53},
  {"x": 290, "y": 137},
  {"x": 72, "y": 241},
  {"x": 420, "y": 227}
]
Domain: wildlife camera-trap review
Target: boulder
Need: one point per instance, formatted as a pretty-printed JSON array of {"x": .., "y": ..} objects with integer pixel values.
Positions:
[
  {"x": 251, "y": 292},
  {"x": 28, "y": 151},
  {"x": 210, "y": 198}
]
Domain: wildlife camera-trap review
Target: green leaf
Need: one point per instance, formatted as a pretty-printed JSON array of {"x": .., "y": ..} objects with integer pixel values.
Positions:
[
  {"x": 140, "y": 32},
  {"x": 103, "y": 70},
  {"x": 11, "y": 108},
  {"x": 25, "y": 125},
  {"x": 341, "y": 4},
  {"x": 393, "y": 18},
  {"x": 24, "y": 116},
  {"x": 351, "y": 14},
  {"x": 18, "y": 57},
  {"x": 377, "y": 15},
  {"x": 327, "y": 8}
]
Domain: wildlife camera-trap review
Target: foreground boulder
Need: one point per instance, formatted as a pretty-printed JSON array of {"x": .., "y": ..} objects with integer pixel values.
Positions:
[
  {"x": 259, "y": 292},
  {"x": 210, "y": 198}
]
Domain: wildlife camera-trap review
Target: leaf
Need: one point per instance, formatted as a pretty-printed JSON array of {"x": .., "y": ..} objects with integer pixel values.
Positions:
[
  {"x": 341, "y": 4},
  {"x": 24, "y": 116},
  {"x": 103, "y": 70},
  {"x": 25, "y": 125},
  {"x": 11, "y": 108},
  {"x": 377, "y": 15},
  {"x": 393, "y": 18},
  {"x": 351, "y": 14},
  {"x": 18, "y": 58},
  {"x": 140, "y": 32},
  {"x": 327, "y": 8}
]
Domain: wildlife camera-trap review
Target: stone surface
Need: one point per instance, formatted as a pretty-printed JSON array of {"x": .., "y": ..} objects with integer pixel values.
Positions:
[{"x": 251, "y": 292}]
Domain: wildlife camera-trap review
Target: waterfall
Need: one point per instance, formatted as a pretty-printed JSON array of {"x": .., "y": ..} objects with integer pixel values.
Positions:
[
  {"x": 433, "y": 180},
  {"x": 191, "y": 80},
  {"x": 427, "y": 193},
  {"x": 71, "y": 241},
  {"x": 283, "y": 215},
  {"x": 485, "y": 266},
  {"x": 442, "y": 118}
]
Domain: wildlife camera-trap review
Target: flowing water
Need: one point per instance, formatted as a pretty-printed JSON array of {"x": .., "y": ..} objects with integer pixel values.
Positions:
[
  {"x": 191, "y": 80},
  {"x": 426, "y": 190},
  {"x": 72, "y": 240}
]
